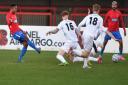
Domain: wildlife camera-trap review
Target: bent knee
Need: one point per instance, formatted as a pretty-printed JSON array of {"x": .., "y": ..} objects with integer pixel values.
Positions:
[
  {"x": 61, "y": 52},
  {"x": 85, "y": 54}
]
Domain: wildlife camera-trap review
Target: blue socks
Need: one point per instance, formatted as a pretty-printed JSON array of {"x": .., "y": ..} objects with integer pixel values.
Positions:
[
  {"x": 23, "y": 51},
  {"x": 32, "y": 45}
]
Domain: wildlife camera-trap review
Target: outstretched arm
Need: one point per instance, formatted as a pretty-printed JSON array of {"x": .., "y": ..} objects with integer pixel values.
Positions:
[
  {"x": 78, "y": 33},
  {"x": 79, "y": 38},
  {"x": 82, "y": 23},
  {"x": 52, "y": 31},
  {"x": 122, "y": 24}
]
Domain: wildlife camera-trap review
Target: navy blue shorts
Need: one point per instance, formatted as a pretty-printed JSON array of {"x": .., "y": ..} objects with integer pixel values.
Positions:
[
  {"x": 20, "y": 36},
  {"x": 116, "y": 34}
]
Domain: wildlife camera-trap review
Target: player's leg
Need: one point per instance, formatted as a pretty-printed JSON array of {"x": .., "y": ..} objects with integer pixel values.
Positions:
[
  {"x": 88, "y": 44},
  {"x": 77, "y": 59},
  {"x": 92, "y": 58},
  {"x": 102, "y": 51},
  {"x": 84, "y": 54},
  {"x": 60, "y": 57},
  {"x": 104, "y": 45},
  {"x": 21, "y": 37},
  {"x": 32, "y": 45},
  {"x": 95, "y": 48},
  {"x": 93, "y": 54},
  {"x": 80, "y": 59},
  {"x": 72, "y": 57},
  {"x": 23, "y": 51},
  {"x": 120, "y": 47},
  {"x": 107, "y": 37},
  {"x": 121, "y": 50},
  {"x": 62, "y": 51},
  {"x": 117, "y": 35}
]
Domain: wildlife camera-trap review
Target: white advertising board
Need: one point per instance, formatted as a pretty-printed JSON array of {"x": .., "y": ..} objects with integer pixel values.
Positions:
[{"x": 38, "y": 36}]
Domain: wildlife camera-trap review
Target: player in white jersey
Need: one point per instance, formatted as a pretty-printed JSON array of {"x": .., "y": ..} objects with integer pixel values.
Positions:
[
  {"x": 93, "y": 23},
  {"x": 98, "y": 41},
  {"x": 70, "y": 32},
  {"x": 92, "y": 55}
]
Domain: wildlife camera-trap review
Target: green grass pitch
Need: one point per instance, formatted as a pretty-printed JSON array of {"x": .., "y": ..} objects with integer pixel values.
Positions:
[{"x": 42, "y": 69}]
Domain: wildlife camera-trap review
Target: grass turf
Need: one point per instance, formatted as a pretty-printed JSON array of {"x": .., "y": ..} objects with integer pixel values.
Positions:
[{"x": 43, "y": 70}]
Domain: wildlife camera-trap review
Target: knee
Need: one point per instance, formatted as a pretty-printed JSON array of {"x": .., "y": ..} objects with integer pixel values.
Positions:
[
  {"x": 25, "y": 44},
  {"x": 61, "y": 52},
  {"x": 121, "y": 42},
  {"x": 85, "y": 54}
]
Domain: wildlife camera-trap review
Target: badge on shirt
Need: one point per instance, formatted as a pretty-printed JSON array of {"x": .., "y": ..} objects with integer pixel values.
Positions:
[
  {"x": 114, "y": 19},
  {"x": 15, "y": 21}
]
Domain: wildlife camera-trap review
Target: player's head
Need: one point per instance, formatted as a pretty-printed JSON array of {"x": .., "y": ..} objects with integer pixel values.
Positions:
[
  {"x": 65, "y": 15},
  {"x": 96, "y": 8},
  {"x": 114, "y": 5},
  {"x": 13, "y": 8}
]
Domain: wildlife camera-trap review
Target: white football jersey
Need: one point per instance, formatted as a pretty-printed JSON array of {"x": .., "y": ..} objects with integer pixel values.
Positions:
[
  {"x": 68, "y": 27},
  {"x": 93, "y": 23}
]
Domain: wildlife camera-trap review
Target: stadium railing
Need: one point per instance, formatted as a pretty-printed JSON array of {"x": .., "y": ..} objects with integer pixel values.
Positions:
[
  {"x": 32, "y": 11},
  {"x": 40, "y": 13}
]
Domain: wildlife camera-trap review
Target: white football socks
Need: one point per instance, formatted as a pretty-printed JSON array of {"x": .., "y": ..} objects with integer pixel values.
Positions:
[
  {"x": 77, "y": 58},
  {"x": 61, "y": 58},
  {"x": 85, "y": 63},
  {"x": 90, "y": 58}
]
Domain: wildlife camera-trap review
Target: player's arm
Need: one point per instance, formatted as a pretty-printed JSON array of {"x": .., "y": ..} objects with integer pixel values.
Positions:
[
  {"x": 95, "y": 48},
  {"x": 107, "y": 32},
  {"x": 79, "y": 38},
  {"x": 52, "y": 31},
  {"x": 76, "y": 29},
  {"x": 78, "y": 35},
  {"x": 59, "y": 27},
  {"x": 122, "y": 24},
  {"x": 10, "y": 19},
  {"x": 111, "y": 35},
  {"x": 98, "y": 34},
  {"x": 82, "y": 23},
  {"x": 102, "y": 28}
]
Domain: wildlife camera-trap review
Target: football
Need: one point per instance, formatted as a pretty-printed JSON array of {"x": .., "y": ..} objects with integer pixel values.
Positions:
[{"x": 115, "y": 57}]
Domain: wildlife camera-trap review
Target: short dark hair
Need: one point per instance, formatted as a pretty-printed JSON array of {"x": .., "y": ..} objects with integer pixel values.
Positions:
[
  {"x": 13, "y": 5},
  {"x": 114, "y": 2},
  {"x": 64, "y": 13}
]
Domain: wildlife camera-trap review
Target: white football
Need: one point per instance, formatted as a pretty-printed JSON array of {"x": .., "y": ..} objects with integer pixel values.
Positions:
[{"x": 115, "y": 57}]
